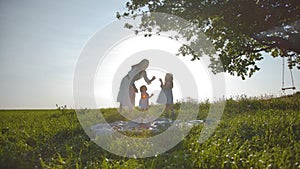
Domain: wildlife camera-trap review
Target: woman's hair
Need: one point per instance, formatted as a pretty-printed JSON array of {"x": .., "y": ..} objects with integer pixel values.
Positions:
[
  {"x": 142, "y": 65},
  {"x": 143, "y": 87}
]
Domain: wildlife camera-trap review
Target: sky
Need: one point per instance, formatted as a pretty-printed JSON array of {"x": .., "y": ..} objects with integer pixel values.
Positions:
[{"x": 41, "y": 42}]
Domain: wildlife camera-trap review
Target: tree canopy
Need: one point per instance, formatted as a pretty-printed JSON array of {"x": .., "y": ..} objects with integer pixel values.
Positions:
[{"x": 240, "y": 30}]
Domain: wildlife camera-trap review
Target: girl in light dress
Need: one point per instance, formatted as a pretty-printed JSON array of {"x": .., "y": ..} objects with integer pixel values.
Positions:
[
  {"x": 144, "y": 101},
  {"x": 166, "y": 95}
]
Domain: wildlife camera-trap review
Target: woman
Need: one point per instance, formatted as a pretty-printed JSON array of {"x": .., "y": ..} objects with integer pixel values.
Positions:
[{"x": 127, "y": 91}]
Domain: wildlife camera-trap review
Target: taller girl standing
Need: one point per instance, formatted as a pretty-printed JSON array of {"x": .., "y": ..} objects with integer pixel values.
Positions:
[{"x": 166, "y": 94}]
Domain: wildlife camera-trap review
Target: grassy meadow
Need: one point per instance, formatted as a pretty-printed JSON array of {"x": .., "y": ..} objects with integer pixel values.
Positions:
[{"x": 253, "y": 133}]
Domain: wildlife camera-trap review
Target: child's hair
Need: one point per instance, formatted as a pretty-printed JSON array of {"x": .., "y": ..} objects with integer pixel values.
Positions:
[
  {"x": 169, "y": 77},
  {"x": 143, "y": 87}
]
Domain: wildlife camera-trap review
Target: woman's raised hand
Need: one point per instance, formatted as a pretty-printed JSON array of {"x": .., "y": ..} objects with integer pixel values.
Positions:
[{"x": 153, "y": 78}]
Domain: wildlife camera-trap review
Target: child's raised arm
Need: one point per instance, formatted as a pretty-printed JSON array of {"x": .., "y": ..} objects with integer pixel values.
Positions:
[
  {"x": 151, "y": 95},
  {"x": 161, "y": 83}
]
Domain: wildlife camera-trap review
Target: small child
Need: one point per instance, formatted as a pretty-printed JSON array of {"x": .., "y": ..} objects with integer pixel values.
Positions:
[
  {"x": 166, "y": 94},
  {"x": 144, "y": 101}
]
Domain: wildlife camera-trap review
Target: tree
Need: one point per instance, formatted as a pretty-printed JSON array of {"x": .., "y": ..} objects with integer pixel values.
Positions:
[{"x": 240, "y": 30}]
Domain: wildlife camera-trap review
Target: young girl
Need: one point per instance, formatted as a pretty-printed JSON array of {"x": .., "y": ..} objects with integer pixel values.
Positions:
[
  {"x": 166, "y": 94},
  {"x": 144, "y": 101}
]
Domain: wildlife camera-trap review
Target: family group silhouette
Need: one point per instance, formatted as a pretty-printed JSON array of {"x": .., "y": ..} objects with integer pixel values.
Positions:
[{"x": 128, "y": 90}]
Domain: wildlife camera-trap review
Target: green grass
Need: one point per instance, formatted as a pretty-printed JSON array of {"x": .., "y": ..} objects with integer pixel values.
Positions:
[{"x": 257, "y": 133}]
